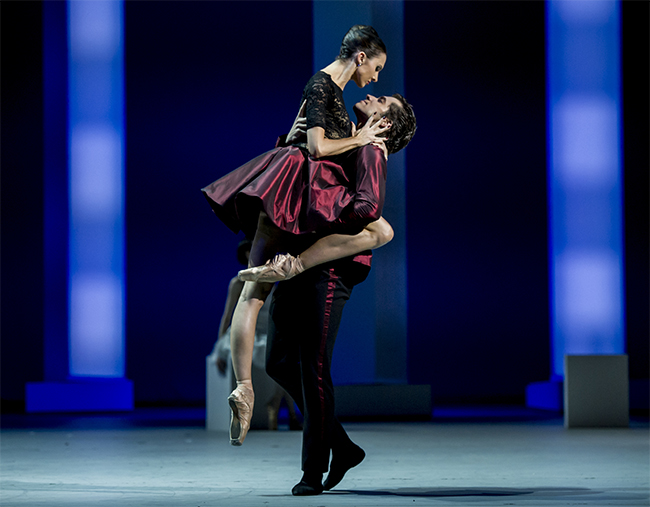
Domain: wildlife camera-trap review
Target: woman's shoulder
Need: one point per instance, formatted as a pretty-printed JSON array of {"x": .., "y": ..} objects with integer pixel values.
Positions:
[
  {"x": 322, "y": 76},
  {"x": 319, "y": 80}
]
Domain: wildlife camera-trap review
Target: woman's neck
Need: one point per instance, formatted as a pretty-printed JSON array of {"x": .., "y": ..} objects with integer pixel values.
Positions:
[{"x": 341, "y": 71}]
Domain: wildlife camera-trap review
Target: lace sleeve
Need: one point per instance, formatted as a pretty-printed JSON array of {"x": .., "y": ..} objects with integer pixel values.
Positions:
[
  {"x": 317, "y": 97},
  {"x": 325, "y": 107}
]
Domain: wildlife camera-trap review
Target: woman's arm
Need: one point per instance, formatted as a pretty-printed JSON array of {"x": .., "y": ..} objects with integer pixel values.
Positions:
[{"x": 319, "y": 146}]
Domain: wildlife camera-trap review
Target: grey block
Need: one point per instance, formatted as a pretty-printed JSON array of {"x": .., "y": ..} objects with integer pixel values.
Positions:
[
  {"x": 383, "y": 400},
  {"x": 596, "y": 391}
]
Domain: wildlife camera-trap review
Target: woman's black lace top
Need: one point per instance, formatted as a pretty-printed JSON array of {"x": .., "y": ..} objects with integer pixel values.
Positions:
[{"x": 325, "y": 107}]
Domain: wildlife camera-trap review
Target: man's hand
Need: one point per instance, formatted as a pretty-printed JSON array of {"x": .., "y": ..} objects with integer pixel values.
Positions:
[{"x": 299, "y": 128}]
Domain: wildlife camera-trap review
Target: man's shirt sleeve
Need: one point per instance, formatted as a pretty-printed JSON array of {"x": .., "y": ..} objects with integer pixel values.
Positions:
[{"x": 370, "y": 191}]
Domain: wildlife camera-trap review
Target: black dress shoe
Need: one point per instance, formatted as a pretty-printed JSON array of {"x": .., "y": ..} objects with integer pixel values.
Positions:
[
  {"x": 309, "y": 485},
  {"x": 341, "y": 463}
]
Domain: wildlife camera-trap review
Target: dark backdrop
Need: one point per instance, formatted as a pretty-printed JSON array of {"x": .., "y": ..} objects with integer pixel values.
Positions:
[
  {"x": 476, "y": 199},
  {"x": 636, "y": 162},
  {"x": 211, "y": 84},
  {"x": 22, "y": 291}
]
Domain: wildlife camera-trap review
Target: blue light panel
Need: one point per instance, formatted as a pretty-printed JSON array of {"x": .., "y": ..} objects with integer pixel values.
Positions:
[
  {"x": 585, "y": 168},
  {"x": 96, "y": 188}
]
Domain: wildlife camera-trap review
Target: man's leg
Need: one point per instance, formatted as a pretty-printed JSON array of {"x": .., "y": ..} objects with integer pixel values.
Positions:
[
  {"x": 331, "y": 291},
  {"x": 284, "y": 333},
  {"x": 289, "y": 324},
  {"x": 325, "y": 298},
  {"x": 304, "y": 320},
  {"x": 283, "y": 366}
]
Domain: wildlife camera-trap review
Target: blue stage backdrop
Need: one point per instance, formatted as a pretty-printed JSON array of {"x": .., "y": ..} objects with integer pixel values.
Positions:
[{"x": 209, "y": 85}]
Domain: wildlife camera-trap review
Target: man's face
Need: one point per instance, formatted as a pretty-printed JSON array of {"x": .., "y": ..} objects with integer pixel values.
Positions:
[{"x": 372, "y": 104}]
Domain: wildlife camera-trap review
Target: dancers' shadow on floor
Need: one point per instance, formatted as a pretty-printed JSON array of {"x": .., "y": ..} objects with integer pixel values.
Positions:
[
  {"x": 456, "y": 492},
  {"x": 547, "y": 494},
  {"x": 440, "y": 492}
]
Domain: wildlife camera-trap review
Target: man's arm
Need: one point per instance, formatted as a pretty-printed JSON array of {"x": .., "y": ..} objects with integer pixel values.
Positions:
[
  {"x": 369, "y": 192},
  {"x": 369, "y": 164}
]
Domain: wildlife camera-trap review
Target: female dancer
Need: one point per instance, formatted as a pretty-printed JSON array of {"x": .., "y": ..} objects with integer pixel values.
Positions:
[{"x": 265, "y": 197}]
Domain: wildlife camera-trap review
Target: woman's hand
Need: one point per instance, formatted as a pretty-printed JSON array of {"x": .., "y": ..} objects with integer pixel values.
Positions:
[
  {"x": 369, "y": 133},
  {"x": 319, "y": 146},
  {"x": 299, "y": 127}
]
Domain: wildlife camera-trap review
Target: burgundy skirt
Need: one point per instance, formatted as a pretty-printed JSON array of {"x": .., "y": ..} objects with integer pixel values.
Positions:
[{"x": 299, "y": 194}]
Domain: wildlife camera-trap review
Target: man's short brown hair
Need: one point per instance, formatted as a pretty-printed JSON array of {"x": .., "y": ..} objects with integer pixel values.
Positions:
[{"x": 404, "y": 125}]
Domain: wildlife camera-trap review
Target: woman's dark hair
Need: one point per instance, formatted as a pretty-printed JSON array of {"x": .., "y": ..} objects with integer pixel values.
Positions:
[
  {"x": 243, "y": 248},
  {"x": 361, "y": 38},
  {"x": 403, "y": 128}
]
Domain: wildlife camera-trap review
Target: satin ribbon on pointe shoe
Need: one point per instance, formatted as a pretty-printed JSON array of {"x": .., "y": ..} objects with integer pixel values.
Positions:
[
  {"x": 281, "y": 267},
  {"x": 241, "y": 402}
]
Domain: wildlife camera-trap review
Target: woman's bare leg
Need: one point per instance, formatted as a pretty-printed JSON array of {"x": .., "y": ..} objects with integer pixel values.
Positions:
[
  {"x": 242, "y": 330},
  {"x": 242, "y": 339},
  {"x": 327, "y": 248},
  {"x": 338, "y": 246}
]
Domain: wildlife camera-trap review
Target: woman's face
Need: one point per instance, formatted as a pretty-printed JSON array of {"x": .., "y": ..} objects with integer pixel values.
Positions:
[{"x": 368, "y": 70}]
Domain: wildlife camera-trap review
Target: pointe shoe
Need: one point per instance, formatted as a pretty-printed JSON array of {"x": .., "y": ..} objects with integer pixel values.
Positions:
[
  {"x": 253, "y": 274},
  {"x": 280, "y": 268},
  {"x": 241, "y": 402}
]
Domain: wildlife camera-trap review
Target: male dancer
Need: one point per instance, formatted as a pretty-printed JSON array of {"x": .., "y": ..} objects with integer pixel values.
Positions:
[{"x": 306, "y": 311}]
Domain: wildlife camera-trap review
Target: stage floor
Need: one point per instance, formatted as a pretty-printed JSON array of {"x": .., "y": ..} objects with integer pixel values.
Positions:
[{"x": 485, "y": 463}]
